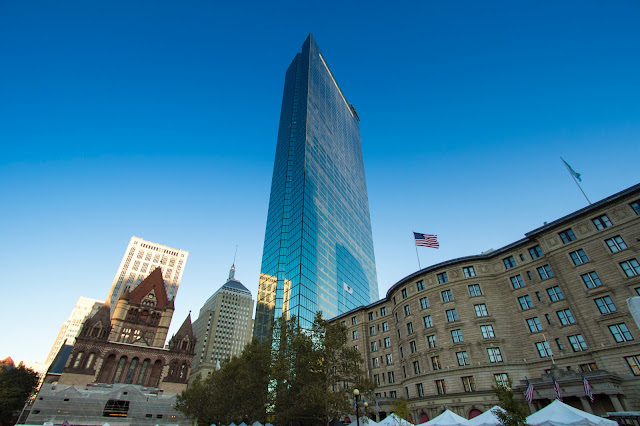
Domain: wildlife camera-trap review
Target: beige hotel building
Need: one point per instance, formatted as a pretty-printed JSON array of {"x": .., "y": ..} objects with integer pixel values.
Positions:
[{"x": 552, "y": 305}]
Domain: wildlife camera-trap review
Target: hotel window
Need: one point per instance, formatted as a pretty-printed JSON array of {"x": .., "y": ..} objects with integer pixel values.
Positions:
[
  {"x": 634, "y": 364},
  {"x": 636, "y": 207},
  {"x": 509, "y": 262},
  {"x": 620, "y": 333},
  {"x": 456, "y": 335},
  {"x": 404, "y": 293},
  {"x": 588, "y": 367},
  {"x": 442, "y": 278},
  {"x": 376, "y": 378},
  {"x": 407, "y": 310},
  {"x": 545, "y": 272},
  {"x": 447, "y": 296},
  {"x": 391, "y": 378},
  {"x": 424, "y": 302},
  {"x": 555, "y": 293},
  {"x": 501, "y": 379},
  {"x": 469, "y": 271},
  {"x": 435, "y": 363},
  {"x": 605, "y": 305},
  {"x": 567, "y": 236},
  {"x": 578, "y": 257},
  {"x": 525, "y": 302},
  {"x": 487, "y": 331},
  {"x": 393, "y": 394},
  {"x": 355, "y": 334},
  {"x": 409, "y": 328},
  {"x": 565, "y": 317},
  {"x": 591, "y": 279},
  {"x": 370, "y": 316},
  {"x": 544, "y": 350},
  {"x": 517, "y": 281},
  {"x": 577, "y": 343},
  {"x": 420, "y": 285},
  {"x": 481, "y": 310},
  {"x": 474, "y": 290},
  {"x": 374, "y": 346},
  {"x": 602, "y": 222},
  {"x": 383, "y": 311},
  {"x": 374, "y": 362},
  {"x": 559, "y": 343},
  {"x": 389, "y": 359},
  {"x": 431, "y": 341},
  {"x": 452, "y": 315},
  {"x": 420, "y": 390},
  {"x": 463, "y": 358},
  {"x": 354, "y": 320},
  {"x": 343, "y": 323},
  {"x": 441, "y": 387},
  {"x": 494, "y": 354},
  {"x": 616, "y": 244},
  {"x": 416, "y": 367},
  {"x": 412, "y": 347},
  {"x": 387, "y": 342},
  {"x": 630, "y": 267},
  {"x": 534, "y": 324},
  {"x": 401, "y": 352},
  {"x": 469, "y": 384},
  {"x": 428, "y": 323},
  {"x": 372, "y": 330},
  {"x": 385, "y": 326},
  {"x": 535, "y": 252}
]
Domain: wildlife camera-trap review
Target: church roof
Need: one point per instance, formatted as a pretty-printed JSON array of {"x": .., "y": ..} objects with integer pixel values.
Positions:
[
  {"x": 154, "y": 282},
  {"x": 185, "y": 329},
  {"x": 235, "y": 284}
]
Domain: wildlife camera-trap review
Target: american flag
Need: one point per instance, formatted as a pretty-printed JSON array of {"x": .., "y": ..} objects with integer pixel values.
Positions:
[
  {"x": 528, "y": 394},
  {"x": 556, "y": 388},
  {"x": 587, "y": 388},
  {"x": 426, "y": 240}
]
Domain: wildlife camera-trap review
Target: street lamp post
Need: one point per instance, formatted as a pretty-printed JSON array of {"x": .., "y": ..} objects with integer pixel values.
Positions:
[{"x": 356, "y": 395}]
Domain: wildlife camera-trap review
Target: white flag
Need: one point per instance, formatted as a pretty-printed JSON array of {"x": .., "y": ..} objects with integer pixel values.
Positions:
[{"x": 347, "y": 288}]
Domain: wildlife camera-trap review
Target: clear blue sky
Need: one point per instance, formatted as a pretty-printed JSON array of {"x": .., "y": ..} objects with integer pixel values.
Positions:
[{"x": 159, "y": 119}]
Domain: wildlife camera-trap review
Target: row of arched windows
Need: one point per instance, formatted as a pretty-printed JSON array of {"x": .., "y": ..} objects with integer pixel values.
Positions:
[
  {"x": 80, "y": 362},
  {"x": 122, "y": 370}
]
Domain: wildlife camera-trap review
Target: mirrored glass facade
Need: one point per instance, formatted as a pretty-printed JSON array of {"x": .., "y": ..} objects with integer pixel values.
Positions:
[{"x": 318, "y": 249}]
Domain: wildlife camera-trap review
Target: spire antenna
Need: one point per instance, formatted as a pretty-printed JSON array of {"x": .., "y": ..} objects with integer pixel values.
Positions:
[{"x": 232, "y": 272}]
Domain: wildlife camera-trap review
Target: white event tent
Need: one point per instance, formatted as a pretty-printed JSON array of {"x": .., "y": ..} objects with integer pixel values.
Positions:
[
  {"x": 364, "y": 421},
  {"x": 488, "y": 418},
  {"x": 448, "y": 418},
  {"x": 393, "y": 420},
  {"x": 560, "y": 414}
]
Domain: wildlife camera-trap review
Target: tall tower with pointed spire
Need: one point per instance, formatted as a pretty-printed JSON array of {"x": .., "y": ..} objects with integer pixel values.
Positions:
[
  {"x": 224, "y": 326},
  {"x": 318, "y": 246}
]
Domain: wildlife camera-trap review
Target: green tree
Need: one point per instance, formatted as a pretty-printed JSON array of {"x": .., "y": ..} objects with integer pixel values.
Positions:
[
  {"x": 16, "y": 386},
  {"x": 401, "y": 409},
  {"x": 515, "y": 411}
]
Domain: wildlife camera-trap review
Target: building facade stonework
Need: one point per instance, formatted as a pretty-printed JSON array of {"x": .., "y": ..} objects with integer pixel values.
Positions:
[{"x": 549, "y": 306}]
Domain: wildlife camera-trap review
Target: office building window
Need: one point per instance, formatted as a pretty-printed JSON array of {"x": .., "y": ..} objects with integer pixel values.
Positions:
[
  {"x": 525, "y": 302},
  {"x": 468, "y": 384},
  {"x": 469, "y": 271},
  {"x": 577, "y": 343},
  {"x": 447, "y": 296},
  {"x": 452, "y": 315},
  {"x": 620, "y": 333},
  {"x": 474, "y": 290},
  {"x": 420, "y": 285},
  {"x": 630, "y": 267},
  {"x": 634, "y": 364},
  {"x": 494, "y": 354},
  {"x": 409, "y": 328},
  {"x": 565, "y": 317},
  {"x": 567, "y": 236},
  {"x": 487, "y": 331},
  {"x": 435, "y": 363},
  {"x": 407, "y": 310},
  {"x": 535, "y": 252},
  {"x": 431, "y": 341},
  {"x": 555, "y": 293},
  {"x": 534, "y": 324},
  {"x": 442, "y": 278},
  {"x": 517, "y": 281},
  {"x": 509, "y": 262},
  {"x": 616, "y": 244},
  {"x": 544, "y": 350},
  {"x": 578, "y": 257},
  {"x": 424, "y": 302},
  {"x": 545, "y": 272},
  {"x": 456, "y": 335},
  {"x": 602, "y": 222},
  {"x": 591, "y": 279},
  {"x": 463, "y": 358},
  {"x": 428, "y": 323},
  {"x": 441, "y": 388},
  {"x": 605, "y": 305},
  {"x": 481, "y": 310}
]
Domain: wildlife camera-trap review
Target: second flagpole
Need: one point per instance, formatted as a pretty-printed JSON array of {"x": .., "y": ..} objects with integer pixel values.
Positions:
[{"x": 416, "y": 245}]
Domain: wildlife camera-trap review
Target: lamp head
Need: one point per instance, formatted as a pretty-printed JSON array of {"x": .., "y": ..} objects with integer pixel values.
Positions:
[
  {"x": 356, "y": 392},
  {"x": 366, "y": 404}
]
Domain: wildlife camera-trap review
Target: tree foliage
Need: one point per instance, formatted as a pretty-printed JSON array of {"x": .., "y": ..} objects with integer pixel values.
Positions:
[
  {"x": 515, "y": 411},
  {"x": 298, "y": 377},
  {"x": 16, "y": 385},
  {"x": 401, "y": 409}
]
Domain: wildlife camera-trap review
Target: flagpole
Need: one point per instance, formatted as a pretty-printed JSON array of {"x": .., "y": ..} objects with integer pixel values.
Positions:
[
  {"x": 415, "y": 244},
  {"x": 574, "y": 179},
  {"x": 545, "y": 339}
]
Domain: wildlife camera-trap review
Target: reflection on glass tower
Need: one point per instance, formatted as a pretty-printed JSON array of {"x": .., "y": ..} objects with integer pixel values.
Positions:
[{"x": 318, "y": 248}]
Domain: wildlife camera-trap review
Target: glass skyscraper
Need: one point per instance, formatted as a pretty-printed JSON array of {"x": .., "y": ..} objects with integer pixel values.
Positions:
[{"x": 318, "y": 249}]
